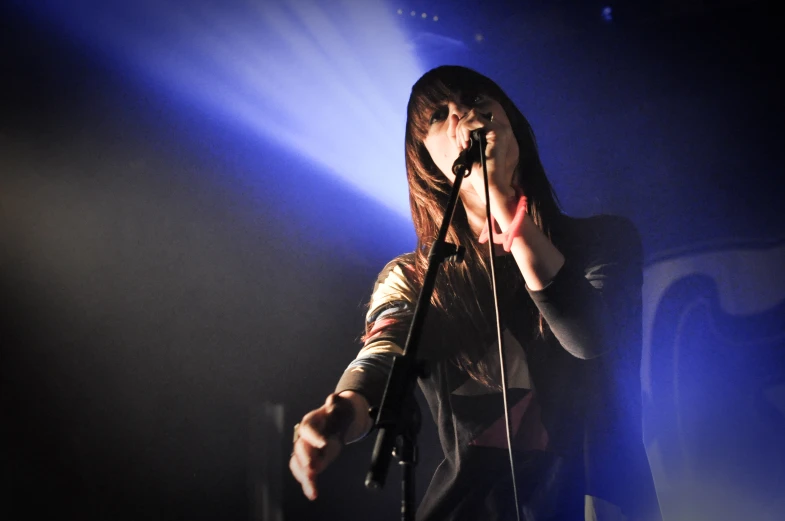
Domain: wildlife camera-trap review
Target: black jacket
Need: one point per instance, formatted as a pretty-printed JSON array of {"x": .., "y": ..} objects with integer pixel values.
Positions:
[{"x": 579, "y": 383}]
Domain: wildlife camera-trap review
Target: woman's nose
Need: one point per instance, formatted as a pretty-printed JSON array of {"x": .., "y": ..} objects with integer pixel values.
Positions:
[
  {"x": 456, "y": 114},
  {"x": 459, "y": 111},
  {"x": 452, "y": 124}
]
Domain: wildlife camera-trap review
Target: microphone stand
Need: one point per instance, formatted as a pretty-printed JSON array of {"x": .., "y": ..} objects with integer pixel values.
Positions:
[{"x": 398, "y": 417}]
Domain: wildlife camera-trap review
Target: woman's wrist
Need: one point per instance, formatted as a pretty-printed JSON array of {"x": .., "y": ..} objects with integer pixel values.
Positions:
[
  {"x": 503, "y": 206},
  {"x": 509, "y": 214},
  {"x": 354, "y": 420}
]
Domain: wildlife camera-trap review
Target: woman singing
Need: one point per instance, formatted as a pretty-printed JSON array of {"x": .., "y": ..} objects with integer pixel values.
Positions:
[{"x": 570, "y": 308}]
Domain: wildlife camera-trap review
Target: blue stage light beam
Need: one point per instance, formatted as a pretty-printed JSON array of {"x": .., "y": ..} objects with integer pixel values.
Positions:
[{"x": 327, "y": 79}]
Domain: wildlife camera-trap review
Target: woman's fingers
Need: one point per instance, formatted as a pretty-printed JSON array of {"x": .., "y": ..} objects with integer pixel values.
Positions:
[
  {"x": 308, "y": 461},
  {"x": 312, "y": 458},
  {"x": 305, "y": 477},
  {"x": 471, "y": 122},
  {"x": 315, "y": 448},
  {"x": 312, "y": 428}
]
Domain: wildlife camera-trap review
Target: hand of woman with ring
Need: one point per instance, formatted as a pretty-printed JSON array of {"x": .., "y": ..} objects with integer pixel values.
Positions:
[
  {"x": 321, "y": 433},
  {"x": 449, "y": 133},
  {"x": 501, "y": 150}
]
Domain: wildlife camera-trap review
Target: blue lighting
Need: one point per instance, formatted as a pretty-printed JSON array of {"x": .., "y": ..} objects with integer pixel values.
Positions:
[
  {"x": 329, "y": 81},
  {"x": 607, "y": 13}
]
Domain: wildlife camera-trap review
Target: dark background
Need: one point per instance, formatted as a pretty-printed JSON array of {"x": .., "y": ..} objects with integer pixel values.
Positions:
[{"x": 156, "y": 292}]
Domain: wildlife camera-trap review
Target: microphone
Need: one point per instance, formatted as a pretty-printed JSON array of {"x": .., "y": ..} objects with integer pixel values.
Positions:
[{"x": 470, "y": 155}]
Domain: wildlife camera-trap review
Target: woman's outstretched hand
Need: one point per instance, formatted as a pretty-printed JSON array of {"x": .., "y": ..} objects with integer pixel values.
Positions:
[{"x": 321, "y": 435}]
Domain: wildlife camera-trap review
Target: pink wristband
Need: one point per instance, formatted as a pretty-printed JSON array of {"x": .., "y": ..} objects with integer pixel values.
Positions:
[{"x": 516, "y": 226}]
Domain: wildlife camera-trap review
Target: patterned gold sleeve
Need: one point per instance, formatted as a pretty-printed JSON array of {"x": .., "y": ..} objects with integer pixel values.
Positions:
[{"x": 386, "y": 325}]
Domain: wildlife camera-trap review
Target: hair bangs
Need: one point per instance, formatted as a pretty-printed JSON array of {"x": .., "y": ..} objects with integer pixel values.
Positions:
[
  {"x": 443, "y": 85},
  {"x": 426, "y": 99}
]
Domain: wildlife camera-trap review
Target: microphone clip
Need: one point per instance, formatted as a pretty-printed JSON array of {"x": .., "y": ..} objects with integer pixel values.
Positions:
[{"x": 471, "y": 155}]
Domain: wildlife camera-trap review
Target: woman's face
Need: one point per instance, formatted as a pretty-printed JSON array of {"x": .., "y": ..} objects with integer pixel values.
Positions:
[{"x": 451, "y": 125}]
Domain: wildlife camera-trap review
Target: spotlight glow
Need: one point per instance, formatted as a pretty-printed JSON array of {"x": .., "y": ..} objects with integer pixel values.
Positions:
[{"x": 331, "y": 84}]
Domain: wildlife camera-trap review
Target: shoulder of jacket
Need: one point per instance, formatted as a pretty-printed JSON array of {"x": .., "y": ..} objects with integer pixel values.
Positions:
[{"x": 405, "y": 262}]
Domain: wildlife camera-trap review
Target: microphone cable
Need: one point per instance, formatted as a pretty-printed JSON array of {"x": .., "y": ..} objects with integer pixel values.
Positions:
[{"x": 462, "y": 166}]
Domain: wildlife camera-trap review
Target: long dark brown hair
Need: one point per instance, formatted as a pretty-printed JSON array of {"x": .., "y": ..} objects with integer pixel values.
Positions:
[{"x": 463, "y": 294}]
